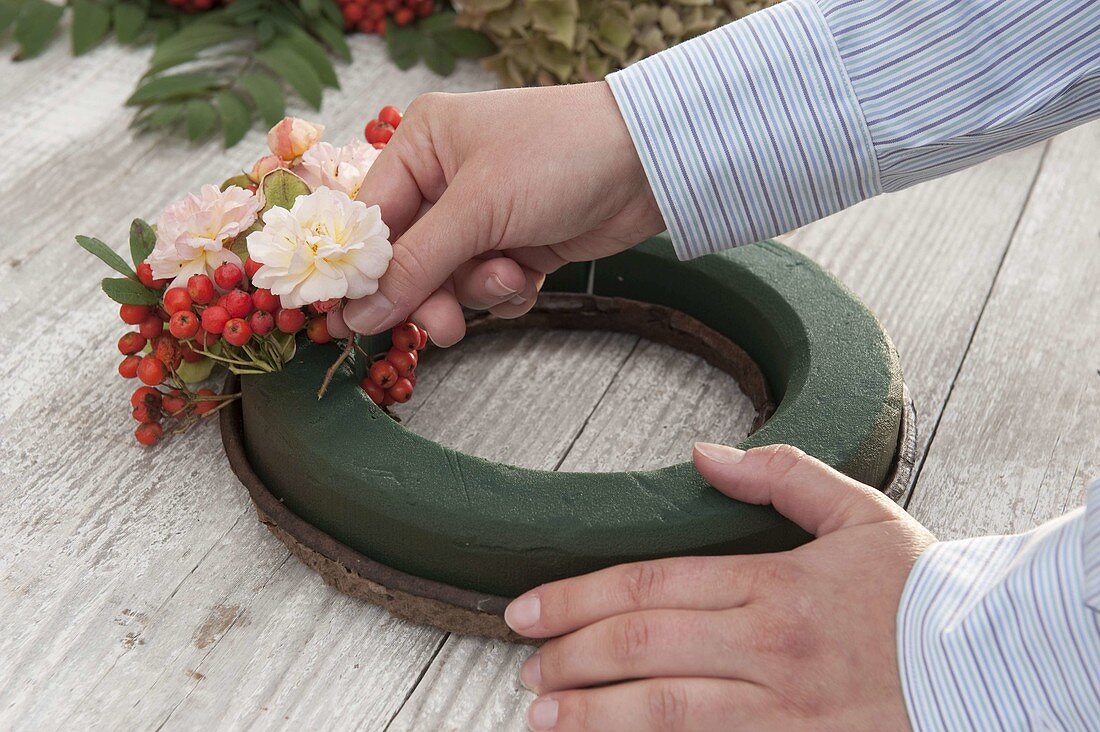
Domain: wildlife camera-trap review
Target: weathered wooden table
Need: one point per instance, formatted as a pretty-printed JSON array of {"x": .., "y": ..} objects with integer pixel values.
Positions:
[{"x": 137, "y": 590}]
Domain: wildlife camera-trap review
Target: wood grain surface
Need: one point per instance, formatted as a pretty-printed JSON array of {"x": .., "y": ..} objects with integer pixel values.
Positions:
[{"x": 138, "y": 590}]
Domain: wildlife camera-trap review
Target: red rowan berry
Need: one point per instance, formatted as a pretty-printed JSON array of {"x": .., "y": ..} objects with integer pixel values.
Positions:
[
  {"x": 133, "y": 314},
  {"x": 228, "y": 275},
  {"x": 200, "y": 288},
  {"x": 383, "y": 373},
  {"x": 317, "y": 330},
  {"x": 289, "y": 320},
  {"x": 403, "y": 361},
  {"x": 262, "y": 322},
  {"x": 251, "y": 267},
  {"x": 173, "y": 403},
  {"x": 149, "y": 433},
  {"x": 145, "y": 275},
  {"x": 214, "y": 319},
  {"x": 376, "y": 393},
  {"x": 390, "y": 115},
  {"x": 238, "y": 303},
  {"x": 145, "y": 395},
  {"x": 237, "y": 332},
  {"x": 401, "y": 391},
  {"x": 146, "y": 413},
  {"x": 128, "y": 368},
  {"x": 131, "y": 343},
  {"x": 202, "y": 406},
  {"x": 184, "y": 324},
  {"x": 167, "y": 350},
  {"x": 406, "y": 336},
  {"x": 151, "y": 370},
  {"x": 152, "y": 326},
  {"x": 176, "y": 299},
  {"x": 264, "y": 300}
]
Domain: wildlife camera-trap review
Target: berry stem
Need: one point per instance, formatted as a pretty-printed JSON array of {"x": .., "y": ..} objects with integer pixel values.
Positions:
[{"x": 348, "y": 348}]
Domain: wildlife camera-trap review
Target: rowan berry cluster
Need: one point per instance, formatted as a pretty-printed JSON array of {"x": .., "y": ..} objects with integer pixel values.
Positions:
[
  {"x": 380, "y": 129},
  {"x": 371, "y": 16},
  {"x": 390, "y": 379},
  {"x": 223, "y": 319}
]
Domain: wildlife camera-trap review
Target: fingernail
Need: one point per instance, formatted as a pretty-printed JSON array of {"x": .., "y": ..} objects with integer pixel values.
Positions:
[
  {"x": 543, "y": 714},
  {"x": 720, "y": 453},
  {"x": 523, "y": 613},
  {"x": 518, "y": 300},
  {"x": 530, "y": 673},
  {"x": 370, "y": 315},
  {"x": 496, "y": 288}
]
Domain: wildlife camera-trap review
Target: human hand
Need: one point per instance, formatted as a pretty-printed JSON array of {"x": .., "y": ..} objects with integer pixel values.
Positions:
[
  {"x": 488, "y": 192},
  {"x": 798, "y": 640}
]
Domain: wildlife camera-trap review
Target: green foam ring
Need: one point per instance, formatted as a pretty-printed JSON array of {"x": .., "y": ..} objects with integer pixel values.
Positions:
[{"x": 344, "y": 466}]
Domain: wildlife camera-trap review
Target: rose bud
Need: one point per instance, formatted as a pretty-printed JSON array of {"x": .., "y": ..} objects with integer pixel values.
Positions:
[
  {"x": 292, "y": 137},
  {"x": 263, "y": 166}
]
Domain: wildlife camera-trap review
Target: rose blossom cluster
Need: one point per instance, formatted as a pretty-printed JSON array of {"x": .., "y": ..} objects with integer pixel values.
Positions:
[{"x": 236, "y": 272}]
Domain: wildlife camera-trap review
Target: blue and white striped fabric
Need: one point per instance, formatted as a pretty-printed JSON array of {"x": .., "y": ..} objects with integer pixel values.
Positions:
[
  {"x": 810, "y": 106},
  {"x": 1003, "y": 632}
]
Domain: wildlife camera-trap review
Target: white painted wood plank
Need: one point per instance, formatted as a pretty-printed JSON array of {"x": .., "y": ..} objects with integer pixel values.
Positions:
[
  {"x": 924, "y": 260},
  {"x": 1020, "y": 435},
  {"x": 142, "y": 587}
]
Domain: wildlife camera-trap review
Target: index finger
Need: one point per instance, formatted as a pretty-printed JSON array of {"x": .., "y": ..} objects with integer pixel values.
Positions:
[{"x": 683, "y": 583}]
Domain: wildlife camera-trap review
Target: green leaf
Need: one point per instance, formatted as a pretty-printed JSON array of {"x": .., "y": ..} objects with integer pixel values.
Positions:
[
  {"x": 436, "y": 56},
  {"x": 35, "y": 27},
  {"x": 236, "y": 117},
  {"x": 312, "y": 8},
  {"x": 9, "y": 11},
  {"x": 201, "y": 117},
  {"x": 466, "y": 42},
  {"x": 162, "y": 116},
  {"x": 142, "y": 241},
  {"x": 129, "y": 20},
  {"x": 288, "y": 345},
  {"x": 193, "y": 373},
  {"x": 299, "y": 74},
  {"x": 403, "y": 45},
  {"x": 176, "y": 86},
  {"x": 333, "y": 36},
  {"x": 280, "y": 188},
  {"x": 106, "y": 255},
  {"x": 313, "y": 54},
  {"x": 267, "y": 95},
  {"x": 129, "y": 292},
  {"x": 241, "y": 181},
  {"x": 91, "y": 22},
  {"x": 185, "y": 45}
]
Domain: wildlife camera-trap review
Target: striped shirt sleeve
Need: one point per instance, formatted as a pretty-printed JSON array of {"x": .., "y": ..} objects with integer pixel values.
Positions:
[
  {"x": 810, "y": 106},
  {"x": 1003, "y": 632}
]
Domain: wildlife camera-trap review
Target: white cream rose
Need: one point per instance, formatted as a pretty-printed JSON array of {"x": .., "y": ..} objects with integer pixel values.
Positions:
[{"x": 326, "y": 246}]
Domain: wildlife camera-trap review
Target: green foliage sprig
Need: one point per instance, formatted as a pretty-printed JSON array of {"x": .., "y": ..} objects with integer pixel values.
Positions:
[{"x": 226, "y": 68}]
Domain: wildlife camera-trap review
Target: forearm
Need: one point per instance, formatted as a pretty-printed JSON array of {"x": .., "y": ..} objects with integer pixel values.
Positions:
[
  {"x": 1004, "y": 632},
  {"x": 803, "y": 109}
]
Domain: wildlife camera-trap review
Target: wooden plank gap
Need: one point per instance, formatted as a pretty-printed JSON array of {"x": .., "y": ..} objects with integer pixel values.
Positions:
[
  {"x": 974, "y": 328},
  {"x": 596, "y": 406},
  {"x": 416, "y": 683}
]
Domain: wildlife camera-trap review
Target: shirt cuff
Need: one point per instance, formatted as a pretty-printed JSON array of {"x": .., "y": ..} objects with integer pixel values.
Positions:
[
  {"x": 748, "y": 131},
  {"x": 993, "y": 633}
]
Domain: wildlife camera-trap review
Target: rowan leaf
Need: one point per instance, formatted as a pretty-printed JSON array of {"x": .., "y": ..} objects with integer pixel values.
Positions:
[
  {"x": 267, "y": 96},
  {"x": 105, "y": 254},
  {"x": 91, "y": 23},
  {"x": 129, "y": 20},
  {"x": 236, "y": 117},
  {"x": 35, "y": 27},
  {"x": 201, "y": 117},
  {"x": 129, "y": 292},
  {"x": 142, "y": 241}
]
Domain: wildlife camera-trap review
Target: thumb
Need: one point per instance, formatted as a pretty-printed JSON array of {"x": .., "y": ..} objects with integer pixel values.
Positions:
[
  {"x": 805, "y": 490},
  {"x": 424, "y": 257}
]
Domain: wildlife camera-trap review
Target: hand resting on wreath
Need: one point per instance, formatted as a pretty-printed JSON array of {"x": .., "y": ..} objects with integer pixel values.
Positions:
[
  {"x": 798, "y": 640},
  {"x": 486, "y": 193}
]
